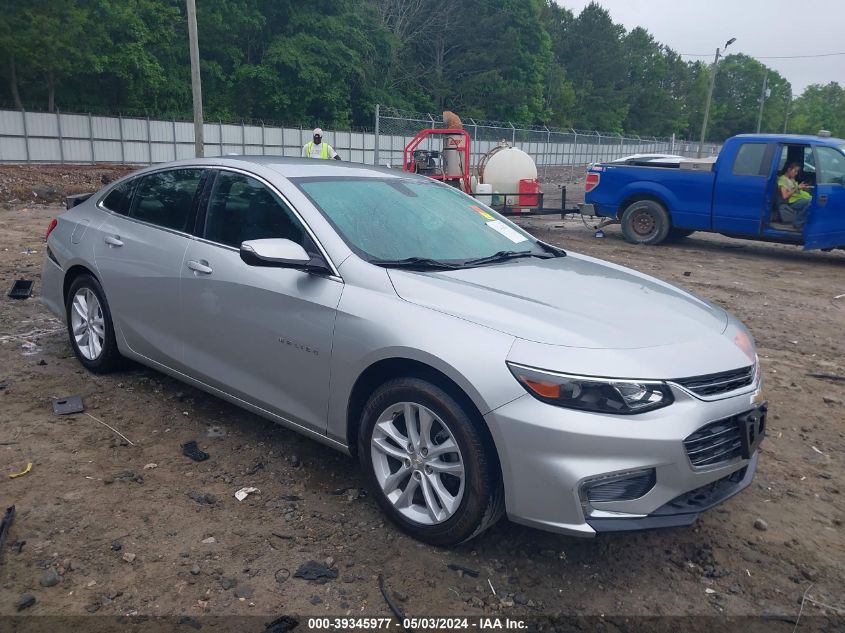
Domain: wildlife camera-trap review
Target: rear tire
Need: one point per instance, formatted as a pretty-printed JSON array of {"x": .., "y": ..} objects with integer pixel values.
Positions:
[
  {"x": 435, "y": 477},
  {"x": 89, "y": 326},
  {"x": 645, "y": 222}
]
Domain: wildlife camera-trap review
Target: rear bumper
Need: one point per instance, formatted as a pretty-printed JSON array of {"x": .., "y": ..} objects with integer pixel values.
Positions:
[{"x": 52, "y": 282}]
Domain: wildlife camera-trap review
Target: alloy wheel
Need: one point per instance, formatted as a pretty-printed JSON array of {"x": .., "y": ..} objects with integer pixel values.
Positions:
[
  {"x": 87, "y": 323},
  {"x": 417, "y": 463}
]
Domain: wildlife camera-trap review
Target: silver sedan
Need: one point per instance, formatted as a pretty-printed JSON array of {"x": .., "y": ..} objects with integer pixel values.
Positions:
[{"x": 473, "y": 369}]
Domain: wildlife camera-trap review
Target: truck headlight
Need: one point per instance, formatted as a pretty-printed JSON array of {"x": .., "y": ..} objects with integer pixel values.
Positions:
[{"x": 587, "y": 393}]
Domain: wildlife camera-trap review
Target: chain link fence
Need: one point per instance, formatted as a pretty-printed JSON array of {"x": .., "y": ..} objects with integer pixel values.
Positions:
[{"x": 549, "y": 147}]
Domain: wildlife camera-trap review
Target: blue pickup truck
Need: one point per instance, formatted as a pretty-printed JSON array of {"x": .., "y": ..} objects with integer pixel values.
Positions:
[{"x": 736, "y": 195}]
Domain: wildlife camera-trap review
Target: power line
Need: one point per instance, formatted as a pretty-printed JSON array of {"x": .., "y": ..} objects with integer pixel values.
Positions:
[{"x": 767, "y": 56}]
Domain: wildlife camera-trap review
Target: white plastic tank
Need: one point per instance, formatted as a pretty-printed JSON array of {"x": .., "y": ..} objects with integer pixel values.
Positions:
[
  {"x": 503, "y": 167},
  {"x": 484, "y": 193}
]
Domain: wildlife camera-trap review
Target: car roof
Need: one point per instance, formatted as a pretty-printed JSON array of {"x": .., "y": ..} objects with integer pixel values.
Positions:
[{"x": 291, "y": 167}]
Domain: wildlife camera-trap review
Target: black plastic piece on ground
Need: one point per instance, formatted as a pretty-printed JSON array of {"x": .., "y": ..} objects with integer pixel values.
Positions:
[
  {"x": 70, "y": 404},
  {"x": 466, "y": 570},
  {"x": 21, "y": 289},
  {"x": 313, "y": 570},
  {"x": 282, "y": 625},
  {"x": 190, "y": 449},
  {"x": 5, "y": 526}
]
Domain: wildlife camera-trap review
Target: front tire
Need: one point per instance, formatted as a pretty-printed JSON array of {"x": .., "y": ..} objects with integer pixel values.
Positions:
[
  {"x": 427, "y": 464},
  {"x": 90, "y": 327},
  {"x": 645, "y": 222}
]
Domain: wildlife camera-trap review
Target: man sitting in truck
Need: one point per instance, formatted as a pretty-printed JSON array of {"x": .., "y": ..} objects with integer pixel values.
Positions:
[{"x": 794, "y": 194}]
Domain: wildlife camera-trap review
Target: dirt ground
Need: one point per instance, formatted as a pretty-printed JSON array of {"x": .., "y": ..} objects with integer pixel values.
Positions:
[{"x": 132, "y": 527}]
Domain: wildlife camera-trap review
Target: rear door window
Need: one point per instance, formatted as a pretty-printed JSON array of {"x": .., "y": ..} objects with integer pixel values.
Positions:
[
  {"x": 166, "y": 198},
  {"x": 241, "y": 208},
  {"x": 749, "y": 160}
]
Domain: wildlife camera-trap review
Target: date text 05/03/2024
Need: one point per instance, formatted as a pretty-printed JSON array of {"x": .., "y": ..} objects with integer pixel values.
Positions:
[{"x": 481, "y": 623}]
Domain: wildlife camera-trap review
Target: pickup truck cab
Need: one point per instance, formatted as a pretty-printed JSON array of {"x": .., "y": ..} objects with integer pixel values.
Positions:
[{"x": 736, "y": 194}]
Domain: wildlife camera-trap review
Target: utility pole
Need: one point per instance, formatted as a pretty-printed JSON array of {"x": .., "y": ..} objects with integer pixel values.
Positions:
[
  {"x": 196, "y": 85},
  {"x": 788, "y": 106},
  {"x": 762, "y": 100},
  {"x": 710, "y": 96}
]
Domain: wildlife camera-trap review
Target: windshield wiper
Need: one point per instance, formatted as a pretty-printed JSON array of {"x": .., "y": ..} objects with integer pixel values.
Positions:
[
  {"x": 502, "y": 256},
  {"x": 415, "y": 262}
]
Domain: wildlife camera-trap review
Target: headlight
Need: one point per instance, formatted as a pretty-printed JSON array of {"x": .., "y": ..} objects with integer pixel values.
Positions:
[{"x": 586, "y": 393}]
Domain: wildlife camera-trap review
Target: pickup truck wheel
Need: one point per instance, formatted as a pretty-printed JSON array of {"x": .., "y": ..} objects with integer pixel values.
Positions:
[{"x": 645, "y": 222}]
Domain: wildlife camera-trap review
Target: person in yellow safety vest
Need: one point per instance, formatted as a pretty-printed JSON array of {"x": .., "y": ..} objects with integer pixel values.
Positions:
[{"x": 318, "y": 149}]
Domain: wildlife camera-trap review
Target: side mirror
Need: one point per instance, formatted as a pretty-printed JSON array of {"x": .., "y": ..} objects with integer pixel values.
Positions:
[{"x": 281, "y": 253}]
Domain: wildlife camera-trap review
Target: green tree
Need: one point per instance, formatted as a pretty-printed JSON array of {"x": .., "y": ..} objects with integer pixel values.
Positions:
[
  {"x": 591, "y": 53},
  {"x": 819, "y": 108}
]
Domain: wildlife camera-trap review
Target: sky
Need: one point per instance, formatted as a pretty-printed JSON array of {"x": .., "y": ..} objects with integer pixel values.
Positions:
[{"x": 762, "y": 28}]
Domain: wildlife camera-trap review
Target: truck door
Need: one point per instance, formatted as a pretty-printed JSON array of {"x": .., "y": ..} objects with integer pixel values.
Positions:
[
  {"x": 825, "y": 226},
  {"x": 739, "y": 196}
]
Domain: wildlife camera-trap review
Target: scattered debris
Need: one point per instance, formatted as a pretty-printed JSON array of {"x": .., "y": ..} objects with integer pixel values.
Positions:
[
  {"x": 831, "y": 400},
  {"x": 189, "y": 621},
  {"x": 282, "y": 624},
  {"x": 243, "y": 493},
  {"x": 67, "y": 405},
  {"x": 129, "y": 557},
  {"x": 50, "y": 578},
  {"x": 687, "y": 273},
  {"x": 21, "y": 289},
  {"x": 228, "y": 583},
  {"x": 312, "y": 570},
  {"x": 111, "y": 428},
  {"x": 5, "y": 383},
  {"x": 190, "y": 449},
  {"x": 208, "y": 541},
  {"x": 491, "y": 586},
  {"x": 709, "y": 591},
  {"x": 282, "y": 575},
  {"x": 25, "y": 602},
  {"x": 817, "y": 450},
  {"x": 465, "y": 570},
  {"x": 5, "y": 526},
  {"x": 116, "y": 546},
  {"x": 761, "y": 525},
  {"x": 397, "y": 610},
  {"x": 203, "y": 498},
  {"x": 23, "y": 472},
  {"x": 150, "y": 466},
  {"x": 124, "y": 475},
  {"x": 832, "y": 377}
]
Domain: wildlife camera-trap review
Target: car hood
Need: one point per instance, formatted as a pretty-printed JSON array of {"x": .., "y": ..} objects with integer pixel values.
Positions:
[{"x": 573, "y": 301}]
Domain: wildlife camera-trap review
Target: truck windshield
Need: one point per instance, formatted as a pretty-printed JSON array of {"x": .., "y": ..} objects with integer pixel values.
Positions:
[{"x": 414, "y": 221}]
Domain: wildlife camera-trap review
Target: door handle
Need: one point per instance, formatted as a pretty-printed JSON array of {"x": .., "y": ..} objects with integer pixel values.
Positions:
[
  {"x": 113, "y": 240},
  {"x": 200, "y": 267}
]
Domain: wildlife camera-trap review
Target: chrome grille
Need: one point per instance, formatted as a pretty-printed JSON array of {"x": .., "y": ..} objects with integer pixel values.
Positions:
[
  {"x": 716, "y": 384},
  {"x": 717, "y": 442}
]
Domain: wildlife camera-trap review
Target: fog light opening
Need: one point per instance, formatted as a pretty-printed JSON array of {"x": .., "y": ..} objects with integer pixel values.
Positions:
[{"x": 618, "y": 487}]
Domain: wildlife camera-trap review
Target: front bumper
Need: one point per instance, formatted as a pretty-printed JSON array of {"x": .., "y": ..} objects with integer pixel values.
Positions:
[{"x": 548, "y": 454}]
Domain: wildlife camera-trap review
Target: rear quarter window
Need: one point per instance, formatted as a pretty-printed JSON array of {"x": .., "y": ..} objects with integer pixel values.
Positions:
[
  {"x": 119, "y": 198},
  {"x": 749, "y": 160}
]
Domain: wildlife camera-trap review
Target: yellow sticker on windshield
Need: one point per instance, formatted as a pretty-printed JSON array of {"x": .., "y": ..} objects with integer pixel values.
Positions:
[{"x": 486, "y": 215}]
